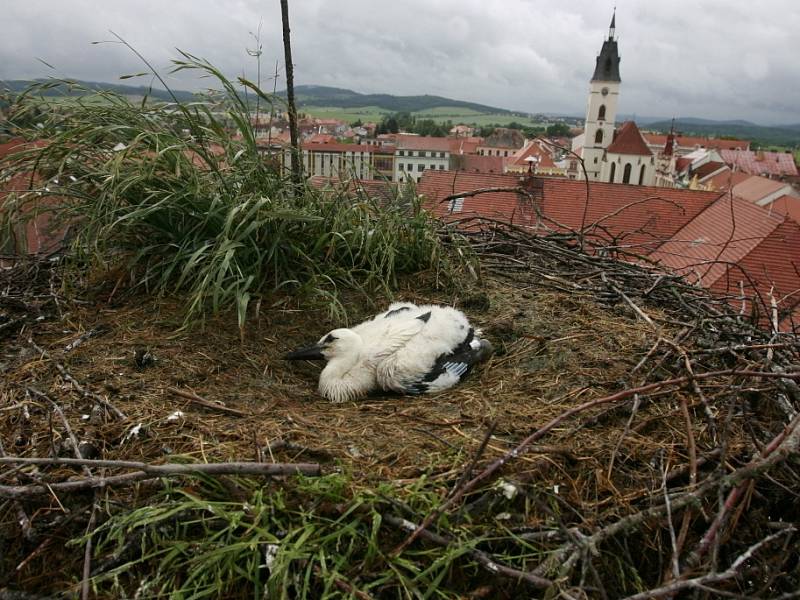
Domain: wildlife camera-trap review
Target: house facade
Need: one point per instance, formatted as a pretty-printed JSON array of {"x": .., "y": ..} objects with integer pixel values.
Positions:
[{"x": 415, "y": 154}]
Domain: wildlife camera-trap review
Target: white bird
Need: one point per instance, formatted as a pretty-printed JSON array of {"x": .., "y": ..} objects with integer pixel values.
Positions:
[{"x": 408, "y": 349}]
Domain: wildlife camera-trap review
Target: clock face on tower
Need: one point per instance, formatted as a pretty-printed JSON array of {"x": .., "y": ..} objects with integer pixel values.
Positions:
[{"x": 604, "y": 91}]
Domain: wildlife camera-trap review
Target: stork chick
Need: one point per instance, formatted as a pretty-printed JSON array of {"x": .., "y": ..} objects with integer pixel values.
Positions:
[{"x": 407, "y": 349}]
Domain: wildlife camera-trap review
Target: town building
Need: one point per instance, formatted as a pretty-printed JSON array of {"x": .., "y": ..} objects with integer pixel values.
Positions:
[
  {"x": 766, "y": 164},
  {"x": 684, "y": 144},
  {"x": 503, "y": 142},
  {"x": 627, "y": 159},
  {"x": 601, "y": 108},
  {"x": 414, "y": 154}
]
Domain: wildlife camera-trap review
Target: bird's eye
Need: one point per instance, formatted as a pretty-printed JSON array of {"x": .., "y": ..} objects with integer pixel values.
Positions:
[{"x": 329, "y": 339}]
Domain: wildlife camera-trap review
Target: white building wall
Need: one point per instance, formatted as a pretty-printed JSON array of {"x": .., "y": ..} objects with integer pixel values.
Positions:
[
  {"x": 601, "y": 115},
  {"x": 343, "y": 165},
  {"x": 642, "y": 169},
  {"x": 410, "y": 164}
]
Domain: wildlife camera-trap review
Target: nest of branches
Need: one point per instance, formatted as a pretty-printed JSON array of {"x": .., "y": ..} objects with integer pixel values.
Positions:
[{"x": 633, "y": 436}]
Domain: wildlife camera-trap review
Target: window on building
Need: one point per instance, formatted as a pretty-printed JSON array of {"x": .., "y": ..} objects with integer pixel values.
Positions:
[
  {"x": 601, "y": 114},
  {"x": 613, "y": 171},
  {"x": 626, "y": 173},
  {"x": 401, "y": 152},
  {"x": 402, "y": 167},
  {"x": 457, "y": 205},
  {"x": 441, "y": 154},
  {"x": 641, "y": 176},
  {"x": 598, "y": 137},
  {"x": 441, "y": 167},
  {"x": 420, "y": 167}
]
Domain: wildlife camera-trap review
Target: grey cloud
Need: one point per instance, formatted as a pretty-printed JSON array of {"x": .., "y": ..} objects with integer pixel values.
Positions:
[{"x": 713, "y": 58}]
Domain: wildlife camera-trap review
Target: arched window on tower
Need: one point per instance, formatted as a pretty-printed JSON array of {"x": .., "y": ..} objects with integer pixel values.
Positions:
[
  {"x": 613, "y": 170},
  {"x": 626, "y": 174},
  {"x": 641, "y": 176},
  {"x": 601, "y": 114},
  {"x": 598, "y": 137}
]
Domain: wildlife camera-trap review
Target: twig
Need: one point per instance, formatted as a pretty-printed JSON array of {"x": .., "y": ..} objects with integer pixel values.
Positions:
[
  {"x": 523, "y": 446},
  {"x": 478, "y": 453},
  {"x": 87, "y": 554},
  {"x": 710, "y": 578},
  {"x": 207, "y": 403},
  {"x": 733, "y": 497},
  {"x": 67, "y": 377},
  {"x": 57, "y": 409},
  {"x": 344, "y": 585},
  {"x": 82, "y": 338},
  {"x": 145, "y": 471},
  {"x": 482, "y": 558}
]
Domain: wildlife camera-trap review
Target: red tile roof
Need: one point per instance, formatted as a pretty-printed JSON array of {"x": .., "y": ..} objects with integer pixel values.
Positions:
[
  {"x": 321, "y": 138},
  {"x": 727, "y": 179},
  {"x": 723, "y": 233},
  {"x": 773, "y": 266},
  {"x": 786, "y": 205},
  {"x": 464, "y": 145},
  {"x": 628, "y": 140},
  {"x": 681, "y": 164},
  {"x": 478, "y": 164},
  {"x": 685, "y": 141},
  {"x": 708, "y": 169},
  {"x": 641, "y": 216},
  {"x": 418, "y": 142},
  {"x": 532, "y": 149},
  {"x": 337, "y": 147},
  {"x": 761, "y": 163},
  {"x": 755, "y": 188},
  {"x": 735, "y": 242}
]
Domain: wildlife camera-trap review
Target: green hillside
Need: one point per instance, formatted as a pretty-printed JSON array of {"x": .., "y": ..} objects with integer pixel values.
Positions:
[
  {"x": 61, "y": 89},
  {"x": 317, "y": 95},
  {"x": 788, "y": 136}
]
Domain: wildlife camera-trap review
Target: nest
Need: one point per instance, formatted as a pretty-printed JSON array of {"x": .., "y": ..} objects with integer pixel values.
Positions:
[{"x": 632, "y": 435}]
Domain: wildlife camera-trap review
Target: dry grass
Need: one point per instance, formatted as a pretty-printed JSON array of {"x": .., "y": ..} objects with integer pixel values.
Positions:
[{"x": 555, "y": 350}]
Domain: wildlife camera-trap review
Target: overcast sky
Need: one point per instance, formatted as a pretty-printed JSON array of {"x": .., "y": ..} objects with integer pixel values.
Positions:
[{"x": 720, "y": 59}]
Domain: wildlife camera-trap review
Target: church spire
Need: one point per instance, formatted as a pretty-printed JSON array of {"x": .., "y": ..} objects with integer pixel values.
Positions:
[
  {"x": 612, "y": 29},
  {"x": 607, "y": 67}
]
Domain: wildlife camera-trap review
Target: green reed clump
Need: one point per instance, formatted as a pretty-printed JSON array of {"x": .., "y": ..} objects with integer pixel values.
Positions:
[
  {"x": 184, "y": 197},
  {"x": 313, "y": 539}
]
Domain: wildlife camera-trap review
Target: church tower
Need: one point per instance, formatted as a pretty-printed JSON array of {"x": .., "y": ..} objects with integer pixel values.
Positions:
[{"x": 601, "y": 111}]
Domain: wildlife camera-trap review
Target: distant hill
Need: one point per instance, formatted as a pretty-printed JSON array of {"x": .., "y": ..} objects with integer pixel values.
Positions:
[
  {"x": 763, "y": 136},
  {"x": 318, "y": 95},
  {"x": 19, "y": 85}
]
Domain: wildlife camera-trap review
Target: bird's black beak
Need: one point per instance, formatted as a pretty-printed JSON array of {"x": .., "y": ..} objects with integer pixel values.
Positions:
[{"x": 310, "y": 353}]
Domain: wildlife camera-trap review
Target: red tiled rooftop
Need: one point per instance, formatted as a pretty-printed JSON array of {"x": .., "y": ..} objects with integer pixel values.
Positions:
[
  {"x": 772, "y": 266},
  {"x": 723, "y": 232},
  {"x": 532, "y": 149},
  {"x": 337, "y": 147},
  {"x": 479, "y": 164},
  {"x": 736, "y": 243},
  {"x": 418, "y": 142},
  {"x": 755, "y": 188},
  {"x": 786, "y": 205},
  {"x": 761, "y": 163},
  {"x": 321, "y": 138},
  {"x": 685, "y": 141},
  {"x": 464, "y": 145},
  {"x": 639, "y": 216},
  {"x": 628, "y": 140},
  {"x": 726, "y": 180},
  {"x": 707, "y": 169}
]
